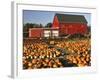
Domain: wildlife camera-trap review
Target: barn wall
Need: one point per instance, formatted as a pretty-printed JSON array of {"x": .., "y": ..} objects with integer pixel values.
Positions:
[
  {"x": 72, "y": 28},
  {"x": 55, "y": 22}
]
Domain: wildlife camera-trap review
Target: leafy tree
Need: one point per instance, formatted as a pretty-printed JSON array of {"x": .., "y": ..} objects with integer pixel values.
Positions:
[
  {"x": 41, "y": 26},
  {"x": 48, "y": 25},
  {"x": 89, "y": 28},
  {"x": 27, "y": 26}
]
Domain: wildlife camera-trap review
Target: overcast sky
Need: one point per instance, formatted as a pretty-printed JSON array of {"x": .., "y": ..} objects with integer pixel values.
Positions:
[{"x": 44, "y": 17}]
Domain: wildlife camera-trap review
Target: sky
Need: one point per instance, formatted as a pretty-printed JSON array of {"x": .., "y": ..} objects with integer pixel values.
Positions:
[{"x": 44, "y": 17}]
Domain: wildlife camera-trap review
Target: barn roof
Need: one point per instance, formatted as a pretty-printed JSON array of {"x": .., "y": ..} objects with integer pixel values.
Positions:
[{"x": 71, "y": 18}]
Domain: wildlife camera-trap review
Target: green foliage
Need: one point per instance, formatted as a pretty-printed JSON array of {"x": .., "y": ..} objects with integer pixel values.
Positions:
[
  {"x": 27, "y": 26},
  {"x": 48, "y": 25}
]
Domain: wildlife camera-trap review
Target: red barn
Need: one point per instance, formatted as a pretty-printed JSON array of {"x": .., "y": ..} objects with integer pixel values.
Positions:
[{"x": 70, "y": 24}]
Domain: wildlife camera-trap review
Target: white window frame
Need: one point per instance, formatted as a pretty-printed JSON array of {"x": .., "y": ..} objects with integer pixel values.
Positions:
[
  {"x": 55, "y": 34},
  {"x": 47, "y": 33}
]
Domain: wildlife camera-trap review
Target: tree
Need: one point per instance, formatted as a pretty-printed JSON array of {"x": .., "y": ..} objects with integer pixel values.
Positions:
[
  {"x": 27, "y": 26},
  {"x": 89, "y": 28},
  {"x": 41, "y": 26},
  {"x": 48, "y": 25}
]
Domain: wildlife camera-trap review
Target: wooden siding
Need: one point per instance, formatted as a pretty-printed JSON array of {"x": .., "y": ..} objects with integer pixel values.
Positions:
[
  {"x": 35, "y": 32},
  {"x": 55, "y": 22}
]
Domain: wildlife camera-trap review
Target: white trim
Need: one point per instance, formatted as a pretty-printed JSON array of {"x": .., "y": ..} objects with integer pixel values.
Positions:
[
  {"x": 14, "y": 54},
  {"x": 30, "y": 32},
  {"x": 63, "y": 3}
]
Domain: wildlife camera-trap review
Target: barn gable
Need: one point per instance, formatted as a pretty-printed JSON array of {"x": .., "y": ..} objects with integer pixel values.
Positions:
[
  {"x": 55, "y": 22},
  {"x": 66, "y": 18}
]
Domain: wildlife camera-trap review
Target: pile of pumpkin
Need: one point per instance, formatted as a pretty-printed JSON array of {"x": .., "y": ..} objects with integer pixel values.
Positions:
[
  {"x": 79, "y": 52},
  {"x": 39, "y": 55},
  {"x": 40, "y": 50},
  {"x": 41, "y": 63}
]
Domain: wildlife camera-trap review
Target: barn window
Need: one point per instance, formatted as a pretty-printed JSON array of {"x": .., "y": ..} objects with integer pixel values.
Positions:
[
  {"x": 47, "y": 33},
  {"x": 55, "y": 33}
]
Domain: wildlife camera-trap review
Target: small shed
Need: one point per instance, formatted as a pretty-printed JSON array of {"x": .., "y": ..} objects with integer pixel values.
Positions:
[
  {"x": 36, "y": 32},
  {"x": 43, "y": 32}
]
